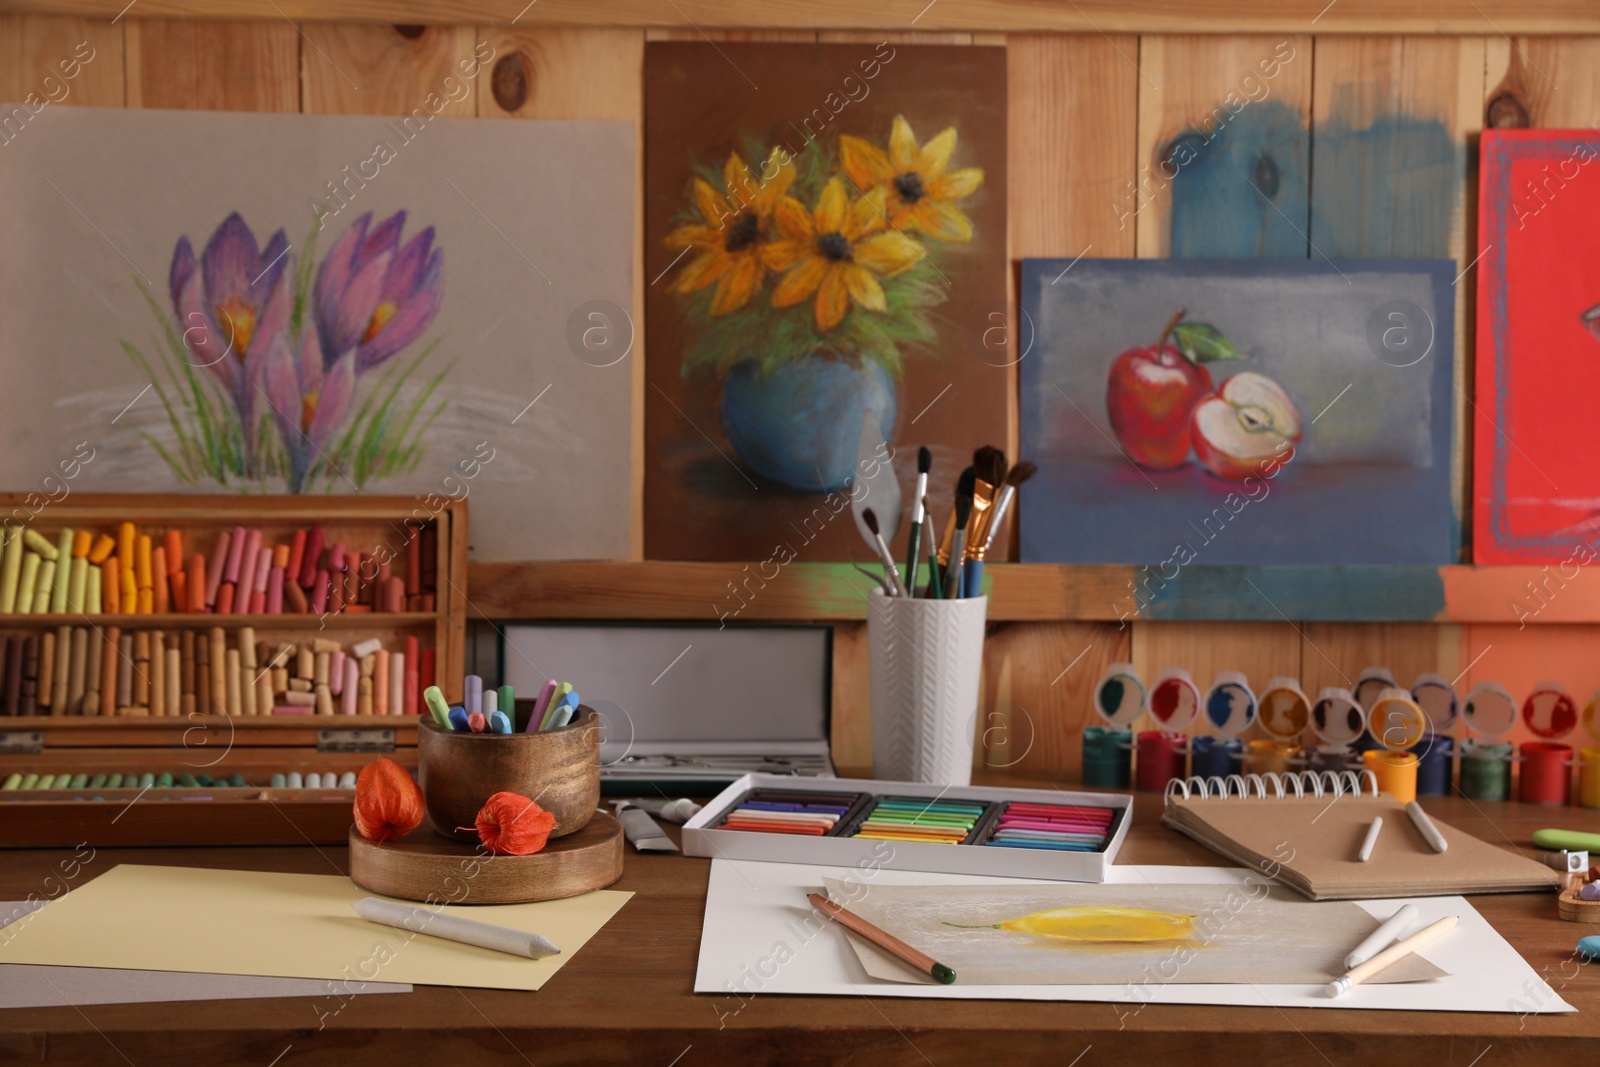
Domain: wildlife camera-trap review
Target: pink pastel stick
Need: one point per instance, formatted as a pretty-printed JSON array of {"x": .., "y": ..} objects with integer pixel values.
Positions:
[
  {"x": 308, "y": 569},
  {"x": 1054, "y": 827},
  {"x": 336, "y": 557},
  {"x": 275, "y": 591},
  {"x": 336, "y": 673},
  {"x": 217, "y": 564},
  {"x": 246, "y": 570},
  {"x": 352, "y": 674},
  {"x": 477, "y": 723},
  {"x": 236, "y": 554},
  {"x": 319, "y": 593},
  {"x": 539, "y": 705}
]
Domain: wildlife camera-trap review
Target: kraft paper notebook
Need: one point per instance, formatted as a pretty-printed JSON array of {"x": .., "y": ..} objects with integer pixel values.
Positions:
[{"x": 1310, "y": 844}]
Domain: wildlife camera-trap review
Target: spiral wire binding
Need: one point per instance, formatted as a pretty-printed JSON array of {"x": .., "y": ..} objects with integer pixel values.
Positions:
[{"x": 1314, "y": 783}]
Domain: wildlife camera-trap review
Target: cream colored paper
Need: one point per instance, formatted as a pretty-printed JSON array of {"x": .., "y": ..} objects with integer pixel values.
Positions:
[{"x": 289, "y": 925}]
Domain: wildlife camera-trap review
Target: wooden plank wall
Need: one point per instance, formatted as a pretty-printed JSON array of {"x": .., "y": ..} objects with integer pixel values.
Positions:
[{"x": 1091, "y": 119}]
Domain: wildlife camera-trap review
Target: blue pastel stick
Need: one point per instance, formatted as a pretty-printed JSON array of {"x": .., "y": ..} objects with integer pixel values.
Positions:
[
  {"x": 560, "y": 717},
  {"x": 458, "y": 720},
  {"x": 474, "y": 694},
  {"x": 498, "y": 722}
]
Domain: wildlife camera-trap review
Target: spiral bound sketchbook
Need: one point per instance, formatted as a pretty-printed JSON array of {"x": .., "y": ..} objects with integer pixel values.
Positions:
[{"x": 1310, "y": 843}]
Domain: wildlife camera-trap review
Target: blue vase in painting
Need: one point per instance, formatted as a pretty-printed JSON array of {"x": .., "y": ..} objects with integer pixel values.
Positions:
[{"x": 800, "y": 425}]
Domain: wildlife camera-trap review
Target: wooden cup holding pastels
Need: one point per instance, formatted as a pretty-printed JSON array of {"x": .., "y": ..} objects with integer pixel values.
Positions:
[{"x": 558, "y": 769}]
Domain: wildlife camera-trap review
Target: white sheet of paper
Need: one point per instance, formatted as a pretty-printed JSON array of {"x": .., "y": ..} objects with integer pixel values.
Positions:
[
  {"x": 28, "y": 985},
  {"x": 754, "y": 941}
]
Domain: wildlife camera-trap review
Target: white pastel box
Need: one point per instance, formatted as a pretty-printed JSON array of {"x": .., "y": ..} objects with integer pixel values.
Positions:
[{"x": 701, "y": 838}]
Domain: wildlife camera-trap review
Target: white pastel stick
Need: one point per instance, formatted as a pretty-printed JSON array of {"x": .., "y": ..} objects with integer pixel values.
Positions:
[
  {"x": 1371, "y": 839},
  {"x": 1430, "y": 833},
  {"x": 366, "y": 648},
  {"x": 1356, "y": 975},
  {"x": 1386, "y": 934},
  {"x": 455, "y": 928}
]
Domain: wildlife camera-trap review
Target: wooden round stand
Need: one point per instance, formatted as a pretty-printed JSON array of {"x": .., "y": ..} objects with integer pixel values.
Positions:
[
  {"x": 424, "y": 864},
  {"x": 1568, "y": 906}
]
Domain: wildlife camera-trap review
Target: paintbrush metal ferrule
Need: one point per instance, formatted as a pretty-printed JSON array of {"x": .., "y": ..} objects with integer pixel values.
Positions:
[{"x": 983, "y": 496}]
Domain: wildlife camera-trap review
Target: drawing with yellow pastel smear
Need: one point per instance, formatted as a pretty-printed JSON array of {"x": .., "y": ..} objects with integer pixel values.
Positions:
[
  {"x": 1096, "y": 924},
  {"x": 1022, "y": 934}
]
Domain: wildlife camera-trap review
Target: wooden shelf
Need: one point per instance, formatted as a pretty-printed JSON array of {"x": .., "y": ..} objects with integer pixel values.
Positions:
[
  {"x": 169, "y": 621},
  {"x": 1500, "y": 17},
  {"x": 1040, "y": 592}
]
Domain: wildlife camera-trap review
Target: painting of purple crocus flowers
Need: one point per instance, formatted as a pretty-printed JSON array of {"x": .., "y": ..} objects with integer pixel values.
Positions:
[
  {"x": 325, "y": 305},
  {"x": 264, "y": 351}
]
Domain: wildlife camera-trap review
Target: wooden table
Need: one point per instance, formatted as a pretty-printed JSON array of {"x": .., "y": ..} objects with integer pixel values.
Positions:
[{"x": 626, "y": 997}]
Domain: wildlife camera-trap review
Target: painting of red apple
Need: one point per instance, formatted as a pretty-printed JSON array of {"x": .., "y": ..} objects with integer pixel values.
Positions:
[{"x": 1237, "y": 412}]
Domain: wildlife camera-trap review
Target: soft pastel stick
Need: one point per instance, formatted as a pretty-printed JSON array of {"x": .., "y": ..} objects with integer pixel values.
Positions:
[
  {"x": 225, "y": 599},
  {"x": 297, "y": 555},
  {"x": 458, "y": 720},
  {"x": 91, "y": 592},
  {"x": 473, "y": 700},
  {"x": 141, "y": 563},
  {"x": 101, "y": 550},
  {"x": 397, "y": 684},
  {"x": 337, "y": 556},
  {"x": 352, "y": 683},
  {"x": 499, "y": 722},
  {"x": 58, "y": 593},
  {"x": 507, "y": 700},
  {"x": 236, "y": 545},
  {"x": 313, "y": 556},
  {"x": 438, "y": 707},
  {"x": 127, "y": 537},
  {"x": 380, "y": 682},
  {"x": 413, "y": 662},
  {"x": 180, "y": 591},
  {"x": 561, "y": 717},
  {"x": 280, "y": 556},
  {"x": 216, "y": 565},
  {"x": 172, "y": 541},
  {"x": 39, "y": 543},
  {"x": 130, "y": 590},
  {"x": 82, "y": 541},
  {"x": 336, "y": 671},
  {"x": 557, "y": 702},
  {"x": 27, "y": 583},
  {"x": 77, "y": 583},
  {"x": 275, "y": 591},
  {"x": 11, "y": 573},
  {"x": 247, "y": 571},
  {"x": 258, "y": 588},
  {"x": 477, "y": 723},
  {"x": 45, "y": 588},
  {"x": 541, "y": 705},
  {"x": 158, "y": 576},
  {"x": 319, "y": 593}
]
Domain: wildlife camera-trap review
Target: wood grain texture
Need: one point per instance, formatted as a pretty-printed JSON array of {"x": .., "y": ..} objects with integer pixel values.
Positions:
[
  {"x": 1037, "y": 694},
  {"x": 213, "y": 65},
  {"x": 1542, "y": 82},
  {"x": 60, "y": 60},
  {"x": 425, "y": 867},
  {"x": 1080, "y": 16},
  {"x": 583, "y": 74},
  {"x": 647, "y": 954},
  {"x": 1336, "y": 653},
  {"x": 1202, "y": 89},
  {"x": 1261, "y": 650},
  {"x": 350, "y": 69},
  {"x": 850, "y": 732}
]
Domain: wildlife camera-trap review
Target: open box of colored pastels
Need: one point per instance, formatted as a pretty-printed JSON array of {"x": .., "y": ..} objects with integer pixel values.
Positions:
[{"x": 1018, "y": 833}]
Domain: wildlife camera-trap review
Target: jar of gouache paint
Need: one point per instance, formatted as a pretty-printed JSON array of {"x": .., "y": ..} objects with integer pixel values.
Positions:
[
  {"x": 1270, "y": 756},
  {"x": 1398, "y": 724},
  {"x": 1174, "y": 705},
  {"x": 1230, "y": 709},
  {"x": 1549, "y": 713},
  {"x": 1489, "y": 712},
  {"x": 1119, "y": 700},
  {"x": 1435, "y": 763},
  {"x": 1589, "y": 777},
  {"x": 1440, "y": 705},
  {"x": 1216, "y": 757},
  {"x": 559, "y": 769},
  {"x": 1337, "y": 720}
]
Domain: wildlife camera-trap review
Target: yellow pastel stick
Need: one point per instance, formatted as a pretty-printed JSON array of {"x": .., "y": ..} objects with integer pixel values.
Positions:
[
  {"x": 92, "y": 593},
  {"x": 141, "y": 567},
  {"x": 130, "y": 592},
  {"x": 78, "y": 584},
  {"x": 10, "y": 570},
  {"x": 81, "y": 540},
  {"x": 39, "y": 543},
  {"x": 41, "y": 592},
  {"x": 30, "y": 578},
  {"x": 102, "y": 549},
  {"x": 125, "y": 539},
  {"x": 58, "y": 593},
  {"x": 147, "y": 601}
]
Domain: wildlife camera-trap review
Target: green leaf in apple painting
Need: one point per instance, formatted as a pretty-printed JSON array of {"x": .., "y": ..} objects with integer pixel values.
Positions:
[{"x": 1203, "y": 342}]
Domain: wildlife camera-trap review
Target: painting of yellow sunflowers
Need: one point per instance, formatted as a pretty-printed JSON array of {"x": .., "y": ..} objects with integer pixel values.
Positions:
[{"x": 827, "y": 252}]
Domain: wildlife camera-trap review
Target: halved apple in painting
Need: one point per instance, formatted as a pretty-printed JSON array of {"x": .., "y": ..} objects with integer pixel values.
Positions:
[{"x": 1244, "y": 427}]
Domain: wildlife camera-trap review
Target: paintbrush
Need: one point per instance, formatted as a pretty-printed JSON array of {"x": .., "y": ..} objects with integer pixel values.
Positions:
[
  {"x": 989, "y": 463},
  {"x": 958, "y": 544},
  {"x": 883, "y": 582},
  {"x": 918, "y": 511},
  {"x": 935, "y": 585},
  {"x": 891, "y": 570},
  {"x": 972, "y": 576}
]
